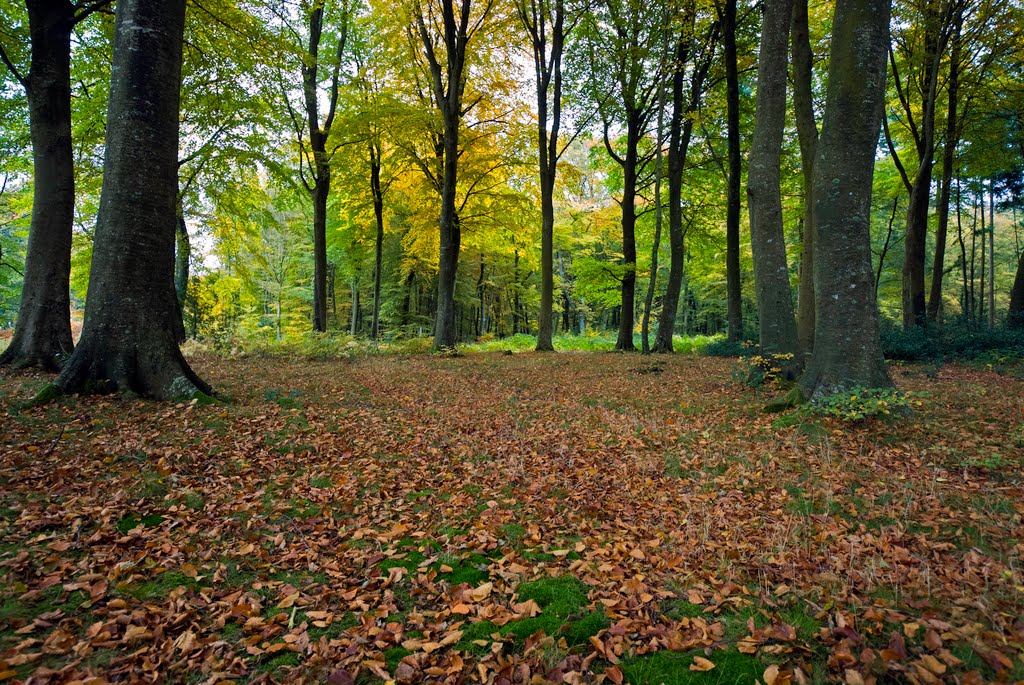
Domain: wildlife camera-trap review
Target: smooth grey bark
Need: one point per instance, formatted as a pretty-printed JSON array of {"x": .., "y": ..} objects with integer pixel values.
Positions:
[
  {"x": 1015, "y": 316},
  {"x": 129, "y": 341},
  {"x": 847, "y": 349},
  {"x": 42, "y": 334},
  {"x": 734, "y": 293},
  {"x": 771, "y": 273},
  {"x": 952, "y": 139},
  {"x": 807, "y": 131}
]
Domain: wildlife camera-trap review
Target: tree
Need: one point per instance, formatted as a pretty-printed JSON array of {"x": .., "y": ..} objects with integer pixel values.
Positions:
[
  {"x": 771, "y": 274},
  {"x": 934, "y": 24},
  {"x": 807, "y": 130},
  {"x": 732, "y": 220},
  {"x": 623, "y": 42},
  {"x": 42, "y": 336},
  {"x": 545, "y": 23},
  {"x": 698, "y": 52},
  {"x": 949, "y": 145},
  {"x": 847, "y": 351},
  {"x": 1015, "y": 316},
  {"x": 316, "y": 156},
  {"x": 128, "y": 340},
  {"x": 446, "y": 41}
]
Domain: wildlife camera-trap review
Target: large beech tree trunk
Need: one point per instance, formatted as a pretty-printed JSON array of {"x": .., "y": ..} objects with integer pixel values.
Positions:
[
  {"x": 732, "y": 215},
  {"x": 1015, "y": 317},
  {"x": 129, "y": 342},
  {"x": 771, "y": 273},
  {"x": 847, "y": 351},
  {"x": 42, "y": 335},
  {"x": 807, "y": 129}
]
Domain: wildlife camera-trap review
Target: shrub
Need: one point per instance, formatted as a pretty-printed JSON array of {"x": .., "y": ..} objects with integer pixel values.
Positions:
[
  {"x": 862, "y": 403},
  {"x": 955, "y": 341},
  {"x": 721, "y": 347},
  {"x": 759, "y": 371}
]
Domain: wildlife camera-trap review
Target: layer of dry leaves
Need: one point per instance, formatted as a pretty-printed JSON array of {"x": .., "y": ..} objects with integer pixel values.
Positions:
[{"x": 653, "y": 481}]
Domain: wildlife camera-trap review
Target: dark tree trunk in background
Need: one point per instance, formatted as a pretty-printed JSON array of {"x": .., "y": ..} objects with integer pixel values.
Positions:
[
  {"x": 847, "y": 350},
  {"x": 42, "y": 335},
  {"x": 544, "y": 21},
  {"x": 732, "y": 217},
  {"x": 449, "y": 85},
  {"x": 771, "y": 273},
  {"x": 320, "y": 188},
  {"x": 991, "y": 252},
  {"x": 659, "y": 165},
  {"x": 378, "y": 257},
  {"x": 319, "y": 195},
  {"x": 807, "y": 129},
  {"x": 937, "y": 31},
  {"x": 952, "y": 139},
  {"x": 1015, "y": 317},
  {"x": 680, "y": 132},
  {"x": 630, "y": 171},
  {"x": 128, "y": 342}
]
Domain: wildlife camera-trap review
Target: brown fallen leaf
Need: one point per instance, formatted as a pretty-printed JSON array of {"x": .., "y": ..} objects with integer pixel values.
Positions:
[{"x": 701, "y": 664}]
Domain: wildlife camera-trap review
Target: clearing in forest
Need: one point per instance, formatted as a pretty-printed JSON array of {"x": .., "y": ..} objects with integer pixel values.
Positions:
[{"x": 569, "y": 518}]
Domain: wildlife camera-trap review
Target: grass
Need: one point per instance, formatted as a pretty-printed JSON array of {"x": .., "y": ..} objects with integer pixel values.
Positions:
[
  {"x": 564, "y": 614},
  {"x": 673, "y": 668}
]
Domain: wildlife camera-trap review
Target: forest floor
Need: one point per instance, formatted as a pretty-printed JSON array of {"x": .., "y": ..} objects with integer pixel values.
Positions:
[{"x": 578, "y": 518}]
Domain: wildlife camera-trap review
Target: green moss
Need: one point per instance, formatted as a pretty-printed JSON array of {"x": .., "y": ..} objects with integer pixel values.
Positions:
[
  {"x": 393, "y": 656},
  {"x": 563, "y": 602},
  {"x": 133, "y": 521},
  {"x": 673, "y": 668},
  {"x": 680, "y": 609},
  {"x": 159, "y": 587},
  {"x": 792, "y": 399}
]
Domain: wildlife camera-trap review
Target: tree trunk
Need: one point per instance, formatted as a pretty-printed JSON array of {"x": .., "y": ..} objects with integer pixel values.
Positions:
[
  {"x": 771, "y": 273},
  {"x": 128, "y": 341},
  {"x": 548, "y": 69},
  {"x": 446, "y": 335},
  {"x": 319, "y": 194},
  {"x": 42, "y": 335},
  {"x": 807, "y": 129},
  {"x": 378, "y": 213},
  {"x": 847, "y": 350},
  {"x": 991, "y": 253},
  {"x": 652, "y": 281},
  {"x": 732, "y": 216},
  {"x": 182, "y": 256},
  {"x": 624, "y": 342},
  {"x": 984, "y": 260},
  {"x": 354, "y": 322},
  {"x": 1015, "y": 316},
  {"x": 914, "y": 306},
  {"x": 680, "y": 132},
  {"x": 948, "y": 154}
]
